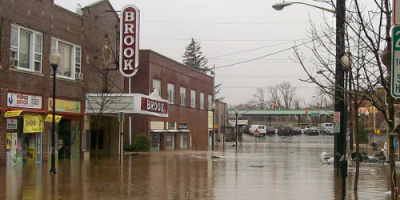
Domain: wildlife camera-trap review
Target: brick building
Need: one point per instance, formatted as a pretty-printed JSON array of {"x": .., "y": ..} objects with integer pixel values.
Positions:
[
  {"x": 29, "y": 30},
  {"x": 87, "y": 42},
  {"x": 189, "y": 94}
]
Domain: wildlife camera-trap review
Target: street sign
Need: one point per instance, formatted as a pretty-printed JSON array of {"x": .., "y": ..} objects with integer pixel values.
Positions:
[
  {"x": 395, "y": 73},
  {"x": 336, "y": 122},
  {"x": 396, "y": 12}
]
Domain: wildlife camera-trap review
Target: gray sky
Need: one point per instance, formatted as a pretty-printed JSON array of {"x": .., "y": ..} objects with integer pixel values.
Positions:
[{"x": 247, "y": 41}]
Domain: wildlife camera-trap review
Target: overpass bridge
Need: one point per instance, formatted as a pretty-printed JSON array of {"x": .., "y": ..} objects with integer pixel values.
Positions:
[{"x": 275, "y": 118}]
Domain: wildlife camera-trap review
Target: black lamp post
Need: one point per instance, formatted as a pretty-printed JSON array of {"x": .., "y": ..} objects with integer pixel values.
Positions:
[
  {"x": 237, "y": 135},
  {"x": 213, "y": 106},
  {"x": 54, "y": 60}
]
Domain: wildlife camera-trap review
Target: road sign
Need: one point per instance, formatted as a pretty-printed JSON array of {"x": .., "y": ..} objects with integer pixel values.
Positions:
[{"x": 395, "y": 73}]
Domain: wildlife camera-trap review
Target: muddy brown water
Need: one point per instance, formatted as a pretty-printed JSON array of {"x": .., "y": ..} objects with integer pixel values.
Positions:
[{"x": 272, "y": 168}]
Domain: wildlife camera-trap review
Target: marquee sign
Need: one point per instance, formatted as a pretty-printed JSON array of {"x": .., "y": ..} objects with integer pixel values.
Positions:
[{"x": 129, "y": 41}]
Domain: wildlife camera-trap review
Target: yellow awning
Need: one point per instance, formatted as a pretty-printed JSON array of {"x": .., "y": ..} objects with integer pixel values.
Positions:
[
  {"x": 13, "y": 113},
  {"x": 49, "y": 118}
]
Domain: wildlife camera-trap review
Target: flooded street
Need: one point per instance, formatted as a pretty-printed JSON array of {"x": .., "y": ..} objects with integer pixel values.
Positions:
[{"x": 272, "y": 168}]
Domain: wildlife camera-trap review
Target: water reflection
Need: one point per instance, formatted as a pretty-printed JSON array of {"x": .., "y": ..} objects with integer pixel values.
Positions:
[{"x": 272, "y": 168}]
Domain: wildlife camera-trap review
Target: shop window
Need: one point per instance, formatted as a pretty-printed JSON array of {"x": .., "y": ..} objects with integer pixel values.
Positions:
[
  {"x": 70, "y": 62},
  {"x": 193, "y": 98},
  {"x": 26, "y": 49}
]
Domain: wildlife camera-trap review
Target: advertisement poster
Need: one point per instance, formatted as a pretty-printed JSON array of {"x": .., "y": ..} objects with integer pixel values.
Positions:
[{"x": 8, "y": 142}]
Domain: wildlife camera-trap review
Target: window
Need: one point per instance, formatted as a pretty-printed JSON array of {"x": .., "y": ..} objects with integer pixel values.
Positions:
[
  {"x": 26, "y": 49},
  {"x": 171, "y": 93},
  {"x": 209, "y": 102},
  {"x": 201, "y": 100},
  {"x": 157, "y": 86},
  {"x": 183, "y": 96},
  {"x": 193, "y": 98},
  {"x": 70, "y": 62}
]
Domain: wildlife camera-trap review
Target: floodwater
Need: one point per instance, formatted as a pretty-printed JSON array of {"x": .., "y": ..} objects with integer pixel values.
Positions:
[{"x": 272, "y": 168}]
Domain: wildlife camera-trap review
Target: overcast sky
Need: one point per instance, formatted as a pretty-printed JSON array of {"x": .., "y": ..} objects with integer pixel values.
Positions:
[{"x": 247, "y": 41}]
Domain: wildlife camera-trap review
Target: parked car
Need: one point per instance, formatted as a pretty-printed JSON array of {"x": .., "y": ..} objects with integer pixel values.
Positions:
[
  {"x": 327, "y": 128},
  {"x": 296, "y": 131},
  {"x": 245, "y": 129},
  {"x": 312, "y": 131},
  {"x": 270, "y": 130},
  {"x": 260, "y": 128},
  {"x": 285, "y": 130}
]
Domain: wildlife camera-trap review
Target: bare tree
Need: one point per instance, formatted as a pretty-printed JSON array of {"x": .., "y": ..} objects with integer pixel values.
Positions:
[
  {"x": 259, "y": 98},
  {"x": 368, "y": 38}
]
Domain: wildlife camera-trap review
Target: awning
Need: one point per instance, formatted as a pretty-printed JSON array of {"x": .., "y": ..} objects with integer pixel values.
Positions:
[
  {"x": 185, "y": 130},
  {"x": 159, "y": 131},
  {"x": 13, "y": 113},
  {"x": 173, "y": 131}
]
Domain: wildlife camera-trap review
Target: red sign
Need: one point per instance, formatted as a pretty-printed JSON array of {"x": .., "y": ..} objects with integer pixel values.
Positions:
[
  {"x": 151, "y": 105},
  {"x": 129, "y": 41}
]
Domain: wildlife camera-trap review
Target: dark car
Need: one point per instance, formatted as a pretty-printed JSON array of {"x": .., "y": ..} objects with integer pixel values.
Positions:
[
  {"x": 245, "y": 129},
  {"x": 270, "y": 131},
  {"x": 311, "y": 131},
  {"x": 285, "y": 130},
  {"x": 296, "y": 131}
]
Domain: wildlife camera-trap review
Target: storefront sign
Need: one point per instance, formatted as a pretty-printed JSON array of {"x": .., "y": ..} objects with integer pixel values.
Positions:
[
  {"x": 151, "y": 105},
  {"x": 49, "y": 118},
  {"x": 183, "y": 126},
  {"x": 62, "y": 105},
  {"x": 171, "y": 125},
  {"x": 129, "y": 42},
  {"x": 12, "y": 124},
  {"x": 33, "y": 123},
  {"x": 8, "y": 142},
  {"x": 24, "y": 101},
  {"x": 13, "y": 113}
]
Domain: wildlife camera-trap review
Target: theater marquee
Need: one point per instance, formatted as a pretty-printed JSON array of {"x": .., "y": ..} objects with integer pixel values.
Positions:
[{"x": 129, "y": 41}]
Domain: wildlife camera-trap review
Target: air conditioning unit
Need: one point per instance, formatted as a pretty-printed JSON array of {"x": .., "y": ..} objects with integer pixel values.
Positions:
[
  {"x": 78, "y": 76},
  {"x": 14, "y": 63}
]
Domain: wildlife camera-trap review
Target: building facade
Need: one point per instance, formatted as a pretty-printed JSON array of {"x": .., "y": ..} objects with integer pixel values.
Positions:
[
  {"x": 189, "y": 94},
  {"x": 29, "y": 32}
]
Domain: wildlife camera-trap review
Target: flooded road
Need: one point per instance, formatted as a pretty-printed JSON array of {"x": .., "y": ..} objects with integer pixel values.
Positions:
[{"x": 272, "y": 168}]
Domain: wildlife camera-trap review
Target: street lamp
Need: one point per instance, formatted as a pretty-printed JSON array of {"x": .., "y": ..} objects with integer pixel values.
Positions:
[
  {"x": 213, "y": 106},
  {"x": 347, "y": 61},
  {"x": 54, "y": 60},
  {"x": 366, "y": 122},
  {"x": 280, "y": 6},
  {"x": 236, "y": 114}
]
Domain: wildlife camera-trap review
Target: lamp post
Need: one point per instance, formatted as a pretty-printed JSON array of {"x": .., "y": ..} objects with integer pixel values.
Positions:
[
  {"x": 54, "y": 60},
  {"x": 347, "y": 61},
  {"x": 366, "y": 123},
  {"x": 236, "y": 114},
  {"x": 213, "y": 106}
]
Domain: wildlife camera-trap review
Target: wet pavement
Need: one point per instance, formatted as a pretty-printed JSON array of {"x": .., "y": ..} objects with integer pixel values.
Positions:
[{"x": 272, "y": 168}]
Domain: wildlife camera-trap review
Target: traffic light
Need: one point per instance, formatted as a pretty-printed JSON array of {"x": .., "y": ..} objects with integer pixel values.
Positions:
[
  {"x": 306, "y": 111},
  {"x": 370, "y": 109}
]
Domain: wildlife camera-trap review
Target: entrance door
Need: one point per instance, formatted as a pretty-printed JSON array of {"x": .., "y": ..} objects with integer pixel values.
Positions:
[{"x": 155, "y": 141}]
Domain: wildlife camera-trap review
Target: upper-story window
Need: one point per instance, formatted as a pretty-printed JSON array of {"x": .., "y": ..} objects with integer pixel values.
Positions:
[
  {"x": 201, "y": 100},
  {"x": 193, "y": 98},
  {"x": 183, "y": 96},
  {"x": 70, "y": 59},
  {"x": 26, "y": 49},
  {"x": 171, "y": 93},
  {"x": 209, "y": 102},
  {"x": 157, "y": 86}
]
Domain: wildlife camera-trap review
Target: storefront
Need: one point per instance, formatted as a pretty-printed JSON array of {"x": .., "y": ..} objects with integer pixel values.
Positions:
[
  {"x": 68, "y": 130},
  {"x": 24, "y": 137}
]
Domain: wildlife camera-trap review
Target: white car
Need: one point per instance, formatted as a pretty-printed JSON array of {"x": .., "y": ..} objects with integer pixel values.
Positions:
[{"x": 261, "y": 129}]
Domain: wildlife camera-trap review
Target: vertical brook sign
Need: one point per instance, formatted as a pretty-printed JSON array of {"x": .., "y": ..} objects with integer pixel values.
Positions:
[{"x": 129, "y": 41}]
